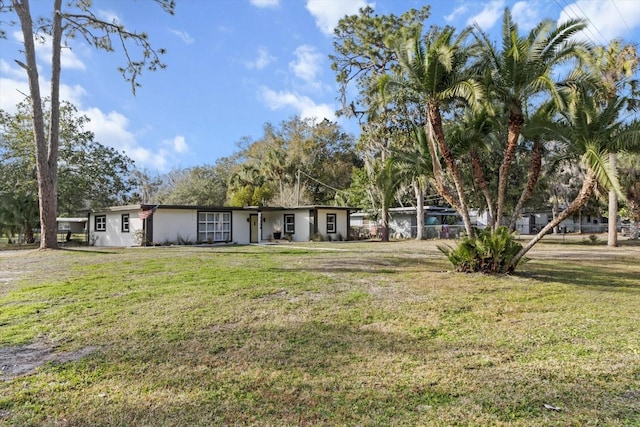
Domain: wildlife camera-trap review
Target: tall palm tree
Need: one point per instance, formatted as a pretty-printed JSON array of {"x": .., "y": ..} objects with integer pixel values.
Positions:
[
  {"x": 590, "y": 129},
  {"x": 415, "y": 168},
  {"x": 435, "y": 75},
  {"x": 614, "y": 66},
  {"x": 521, "y": 71},
  {"x": 473, "y": 135}
]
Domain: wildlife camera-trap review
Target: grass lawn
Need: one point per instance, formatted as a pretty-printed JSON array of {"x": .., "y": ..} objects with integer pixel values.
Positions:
[{"x": 318, "y": 334}]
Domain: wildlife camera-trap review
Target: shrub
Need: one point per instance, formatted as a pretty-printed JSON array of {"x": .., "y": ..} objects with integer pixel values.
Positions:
[{"x": 488, "y": 252}]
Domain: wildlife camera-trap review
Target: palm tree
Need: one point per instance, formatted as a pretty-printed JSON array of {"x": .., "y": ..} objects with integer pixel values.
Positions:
[
  {"x": 589, "y": 129},
  {"x": 19, "y": 214},
  {"x": 521, "y": 71},
  {"x": 473, "y": 134},
  {"x": 434, "y": 74},
  {"x": 415, "y": 167},
  {"x": 614, "y": 66}
]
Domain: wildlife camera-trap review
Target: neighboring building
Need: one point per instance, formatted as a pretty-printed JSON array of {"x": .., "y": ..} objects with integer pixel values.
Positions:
[
  {"x": 162, "y": 224},
  {"x": 531, "y": 222},
  {"x": 67, "y": 227},
  {"x": 439, "y": 222}
]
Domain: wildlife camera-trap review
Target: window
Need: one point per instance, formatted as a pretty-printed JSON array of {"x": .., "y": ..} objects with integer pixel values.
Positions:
[
  {"x": 331, "y": 223},
  {"x": 124, "y": 223},
  {"x": 214, "y": 226},
  {"x": 289, "y": 224},
  {"x": 100, "y": 223}
]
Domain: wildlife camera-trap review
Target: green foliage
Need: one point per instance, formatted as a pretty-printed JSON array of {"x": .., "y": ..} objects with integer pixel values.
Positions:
[
  {"x": 488, "y": 252},
  {"x": 19, "y": 215},
  {"x": 89, "y": 173},
  {"x": 200, "y": 185}
]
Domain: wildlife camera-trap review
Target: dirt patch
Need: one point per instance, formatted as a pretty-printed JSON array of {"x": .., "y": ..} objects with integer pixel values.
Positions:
[{"x": 24, "y": 359}]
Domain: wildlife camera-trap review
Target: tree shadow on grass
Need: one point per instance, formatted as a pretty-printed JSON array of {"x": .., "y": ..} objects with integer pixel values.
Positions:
[
  {"x": 312, "y": 372},
  {"x": 615, "y": 275}
]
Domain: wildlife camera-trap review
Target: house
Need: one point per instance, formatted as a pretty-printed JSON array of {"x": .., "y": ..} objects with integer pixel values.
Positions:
[
  {"x": 531, "y": 222},
  {"x": 439, "y": 222},
  {"x": 69, "y": 226},
  {"x": 135, "y": 225}
]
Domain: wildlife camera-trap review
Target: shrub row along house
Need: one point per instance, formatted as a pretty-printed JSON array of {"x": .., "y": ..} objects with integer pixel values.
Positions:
[{"x": 136, "y": 225}]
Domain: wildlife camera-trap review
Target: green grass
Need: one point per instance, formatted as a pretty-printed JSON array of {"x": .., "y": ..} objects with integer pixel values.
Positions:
[{"x": 360, "y": 334}]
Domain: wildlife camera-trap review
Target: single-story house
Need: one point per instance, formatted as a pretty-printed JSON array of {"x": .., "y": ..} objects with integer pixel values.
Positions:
[
  {"x": 439, "y": 222},
  {"x": 530, "y": 222},
  {"x": 135, "y": 225},
  {"x": 68, "y": 226}
]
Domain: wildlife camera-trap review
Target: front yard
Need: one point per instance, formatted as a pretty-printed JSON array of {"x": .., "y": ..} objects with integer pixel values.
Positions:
[{"x": 318, "y": 334}]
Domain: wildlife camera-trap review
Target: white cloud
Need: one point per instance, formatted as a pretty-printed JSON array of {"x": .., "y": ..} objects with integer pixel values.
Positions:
[
  {"x": 265, "y": 3},
  {"x": 489, "y": 15},
  {"x": 307, "y": 63},
  {"x": 460, "y": 10},
  {"x": 68, "y": 58},
  {"x": 178, "y": 144},
  {"x": 607, "y": 19},
  {"x": 263, "y": 59},
  {"x": 184, "y": 36},
  {"x": 327, "y": 13},
  {"x": 525, "y": 13},
  {"x": 303, "y": 105},
  {"x": 108, "y": 16},
  {"x": 111, "y": 129},
  {"x": 15, "y": 88}
]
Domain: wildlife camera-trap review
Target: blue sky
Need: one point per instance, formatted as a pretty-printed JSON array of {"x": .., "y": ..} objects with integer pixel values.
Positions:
[{"x": 234, "y": 65}]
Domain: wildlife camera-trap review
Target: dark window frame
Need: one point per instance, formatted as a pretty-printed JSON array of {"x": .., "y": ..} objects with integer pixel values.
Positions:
[
  {"x": 292, "y": 229},
  {"x": 217, "y": 226},
  {"x": 126, "y": 229},
  {"x": 334, "y": 223},
  {"x": 100, "y": 223}
]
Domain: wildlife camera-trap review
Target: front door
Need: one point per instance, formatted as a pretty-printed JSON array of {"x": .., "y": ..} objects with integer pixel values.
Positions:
[{"x": 253, "y": 223}]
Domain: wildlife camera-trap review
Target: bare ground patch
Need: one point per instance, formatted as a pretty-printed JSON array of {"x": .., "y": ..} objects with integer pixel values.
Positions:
[{"x": 24, "y": 359}]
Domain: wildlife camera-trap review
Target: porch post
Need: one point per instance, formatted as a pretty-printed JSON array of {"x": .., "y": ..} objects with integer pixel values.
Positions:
[{"x": 259, "y": 227}]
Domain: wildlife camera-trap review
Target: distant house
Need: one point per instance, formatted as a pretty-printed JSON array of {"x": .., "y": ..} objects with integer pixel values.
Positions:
[
  {"x": 135, "y": 225},
  {"x": 67, "y": 227},
  {"x": 439, "y": 222}
]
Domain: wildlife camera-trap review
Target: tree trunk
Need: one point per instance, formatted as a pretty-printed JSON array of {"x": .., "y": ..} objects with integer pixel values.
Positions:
[
  {"x": 585, "y": 192},
  {"x": 613, "y": 207},
  {"x": 46, "y": 157},
  {"x": 385, "y": 221},
  {"x": 482, "y": 183},
  {"x": 554, "y": 212},
  {"x": 532, "y": 181},
  {"x": 516, "y": 120},
  {"x": 419, "y": 192},
  {"x": 435, "y": 119}
]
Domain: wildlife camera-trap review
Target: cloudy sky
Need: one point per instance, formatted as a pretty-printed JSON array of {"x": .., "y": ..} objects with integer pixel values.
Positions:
[{"x": 234, "y": 65}]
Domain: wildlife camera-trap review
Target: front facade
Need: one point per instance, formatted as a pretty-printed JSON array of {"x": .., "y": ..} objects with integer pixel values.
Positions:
[{"x": 135, "y": 225}]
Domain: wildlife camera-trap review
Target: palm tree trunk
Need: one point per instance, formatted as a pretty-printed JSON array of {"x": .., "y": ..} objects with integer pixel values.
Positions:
[
  {"x": 482, "y": 183},
  {"x": 419, "y": 192},
  {"x": 581, "y": 199},
  {"x": 433, "y": 114},
  {"x": 532, "y": 181},
  {"x": 385, "y": 221},
  {"x": 613, "y": 207},
  {"x": 516, "y": 120}
]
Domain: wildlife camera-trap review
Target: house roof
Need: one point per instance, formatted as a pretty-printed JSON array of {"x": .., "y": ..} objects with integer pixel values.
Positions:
[
  {"x": 146, "y": 206},
  {"x": 79, "y": 220}
]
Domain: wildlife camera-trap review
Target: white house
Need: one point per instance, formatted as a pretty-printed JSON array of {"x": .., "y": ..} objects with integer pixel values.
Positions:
[{"x": 134, "y": 225}]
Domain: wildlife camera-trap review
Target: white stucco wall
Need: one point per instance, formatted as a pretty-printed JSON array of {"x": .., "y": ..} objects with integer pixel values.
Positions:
[
  {"x": 174, "y": 226},
  {"x": 341, "y": 224},
  {"x": 240, "y": 227},
  {"x": 113, "y": 235}
]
